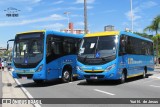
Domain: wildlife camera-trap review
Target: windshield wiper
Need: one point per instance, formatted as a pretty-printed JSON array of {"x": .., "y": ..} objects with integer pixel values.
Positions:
[{"x": 105, "y": 58}]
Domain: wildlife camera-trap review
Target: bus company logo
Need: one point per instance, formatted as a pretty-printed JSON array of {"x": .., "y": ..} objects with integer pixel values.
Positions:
[
  {"x": 21, "y": 101},
  {"x": 12, "y": 12}
]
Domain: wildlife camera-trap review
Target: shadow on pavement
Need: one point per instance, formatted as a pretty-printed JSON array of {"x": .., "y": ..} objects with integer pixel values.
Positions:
[
  {"x": 111, "y": 82},
  {"x": 100, "y": 83},
  {"x": 44, "y": 84},
  {"x": 137, "y": 78}
]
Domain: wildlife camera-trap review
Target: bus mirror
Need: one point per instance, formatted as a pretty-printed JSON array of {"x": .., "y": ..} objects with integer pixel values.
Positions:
[
  {"x": 8, "y": 43},
  {"x": 7, "y": 46}
]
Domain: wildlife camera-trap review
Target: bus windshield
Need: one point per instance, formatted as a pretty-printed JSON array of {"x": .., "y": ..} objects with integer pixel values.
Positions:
[
  {"x": 97, "y": 47},
  {"x": 102, "y": 47},
  {"x": 28, "y": 50}
]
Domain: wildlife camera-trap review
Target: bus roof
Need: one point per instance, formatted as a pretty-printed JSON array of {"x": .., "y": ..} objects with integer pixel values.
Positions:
[
  {"x": 109, "y": 33},
  {"x": 135, "y": 35},
  {"x": 64, "y": 34},
  {"x": 54, "y": 32}
]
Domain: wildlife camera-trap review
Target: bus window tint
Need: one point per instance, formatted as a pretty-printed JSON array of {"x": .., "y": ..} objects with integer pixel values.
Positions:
[
  {"x": 54, "y": 46},
  {"x": 139, "y": 46},
  {"x": 106, "y": 46},
  {"x": 123, "y": 44},
  {"x": 58, "y": 46},
  {"x": 69, "y": 46}
]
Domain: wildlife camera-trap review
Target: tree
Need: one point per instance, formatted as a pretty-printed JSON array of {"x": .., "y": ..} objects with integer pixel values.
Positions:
[
  {"x": 144, "y": 35},
  {"x": 155, "y": 26},
  {"x": 155, "y": 39}
]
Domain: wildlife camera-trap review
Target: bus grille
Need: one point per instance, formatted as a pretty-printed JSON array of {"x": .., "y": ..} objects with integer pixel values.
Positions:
[{"x": 93, "y": 71}]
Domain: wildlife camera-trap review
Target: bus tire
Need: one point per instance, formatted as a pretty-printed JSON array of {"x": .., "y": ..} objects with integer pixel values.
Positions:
[
  {"x": 123, "y": 78},
  {"x": 144, "y": 72},
  {"x": 38, "y": 81},
  {"x": 66, "y": 76}
]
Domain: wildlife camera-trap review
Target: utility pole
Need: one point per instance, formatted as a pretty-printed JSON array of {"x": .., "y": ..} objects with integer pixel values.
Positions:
[
  {"x": 131, "y": 17},
  {"x": 67, "y": 13},
  {"x": 85, "y": 17}
]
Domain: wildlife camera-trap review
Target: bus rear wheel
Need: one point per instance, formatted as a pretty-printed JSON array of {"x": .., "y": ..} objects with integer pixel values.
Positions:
[
  {"x": 66, "y": 76},
  {"x": 144, "y": 74}
]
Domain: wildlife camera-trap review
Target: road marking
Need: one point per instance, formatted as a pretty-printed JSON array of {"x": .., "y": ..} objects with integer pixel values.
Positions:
[
  {"x": 24, "y": 90},
  {"x": 103, "y": 92},
  {"x": 153, "y": 79},
  {"x": 158, "y": 77},
  {"x": 155, "y": 86}
]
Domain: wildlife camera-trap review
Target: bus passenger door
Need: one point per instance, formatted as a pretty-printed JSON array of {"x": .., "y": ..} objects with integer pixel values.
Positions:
[
  {"x": 123, "y": 56},
  {"x": 53, "y": 56}
]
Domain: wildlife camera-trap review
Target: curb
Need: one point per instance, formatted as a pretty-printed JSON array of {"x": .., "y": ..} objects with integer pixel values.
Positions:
[{"x": 28, "y": 95}]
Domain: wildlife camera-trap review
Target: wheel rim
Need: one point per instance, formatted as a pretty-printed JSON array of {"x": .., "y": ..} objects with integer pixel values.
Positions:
[
  {"x": 123, "y": 78},
  {"x": 66, "y": 75},
  {"x": 144, "y": 74}
]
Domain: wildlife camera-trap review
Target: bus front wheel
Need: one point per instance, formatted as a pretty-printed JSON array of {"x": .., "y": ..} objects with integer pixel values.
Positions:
[
  {"x": 66, "y": 76},
  {"x": 123, "y": 78}
]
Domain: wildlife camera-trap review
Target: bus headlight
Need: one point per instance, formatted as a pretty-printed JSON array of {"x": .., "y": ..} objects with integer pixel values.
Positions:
[
  {"x": 109, "y": 68},
  {"x": 12, "y": 69},
  {"x": 39, "y": 68},
  {"x": 79, "y": 68}
]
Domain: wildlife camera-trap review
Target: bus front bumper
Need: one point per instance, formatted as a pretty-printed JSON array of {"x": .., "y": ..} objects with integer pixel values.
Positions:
[
  {"x": 34, "y": 76},
  {"x": 99, "y": 76}
]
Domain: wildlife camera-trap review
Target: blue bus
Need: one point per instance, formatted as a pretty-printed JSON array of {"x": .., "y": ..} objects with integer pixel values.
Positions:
[
  {"x": 114, "y": 55},
  {"x": 45, "y": 55}
]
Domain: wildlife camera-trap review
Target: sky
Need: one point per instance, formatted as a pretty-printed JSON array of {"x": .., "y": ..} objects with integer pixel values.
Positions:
[{"x": 49, "y": 14}]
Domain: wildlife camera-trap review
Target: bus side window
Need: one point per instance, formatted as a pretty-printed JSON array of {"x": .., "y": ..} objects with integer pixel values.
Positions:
[
  {"x": 70, "y": 46},
  {"x": 122, "y": 48},
  {"x": 48, "y": 46}
]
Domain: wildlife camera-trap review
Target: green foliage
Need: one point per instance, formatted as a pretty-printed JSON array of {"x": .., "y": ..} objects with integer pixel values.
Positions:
[
  {"x": 5, "y": 53},
  {"x": 144, "y": 35},
  {"x": 155, "y": 26},
  {"x": 156, "y": 40}
]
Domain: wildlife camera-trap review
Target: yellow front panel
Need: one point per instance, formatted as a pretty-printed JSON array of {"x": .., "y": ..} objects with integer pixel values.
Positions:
[
  {"x": 107, "y": 33},
  {"x": 33, "y": 31}
]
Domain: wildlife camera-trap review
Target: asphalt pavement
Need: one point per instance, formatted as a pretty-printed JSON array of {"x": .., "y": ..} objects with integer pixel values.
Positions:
[{"x": 134, "y": 88}]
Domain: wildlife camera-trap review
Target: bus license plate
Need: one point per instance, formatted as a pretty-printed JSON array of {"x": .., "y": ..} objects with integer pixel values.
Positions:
[
  {"x": 93, "y": 77},
  {"x": 24, "y": 78}
]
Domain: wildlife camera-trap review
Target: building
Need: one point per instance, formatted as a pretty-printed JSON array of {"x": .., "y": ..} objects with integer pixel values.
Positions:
[{"x": 72, "y": 30}]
